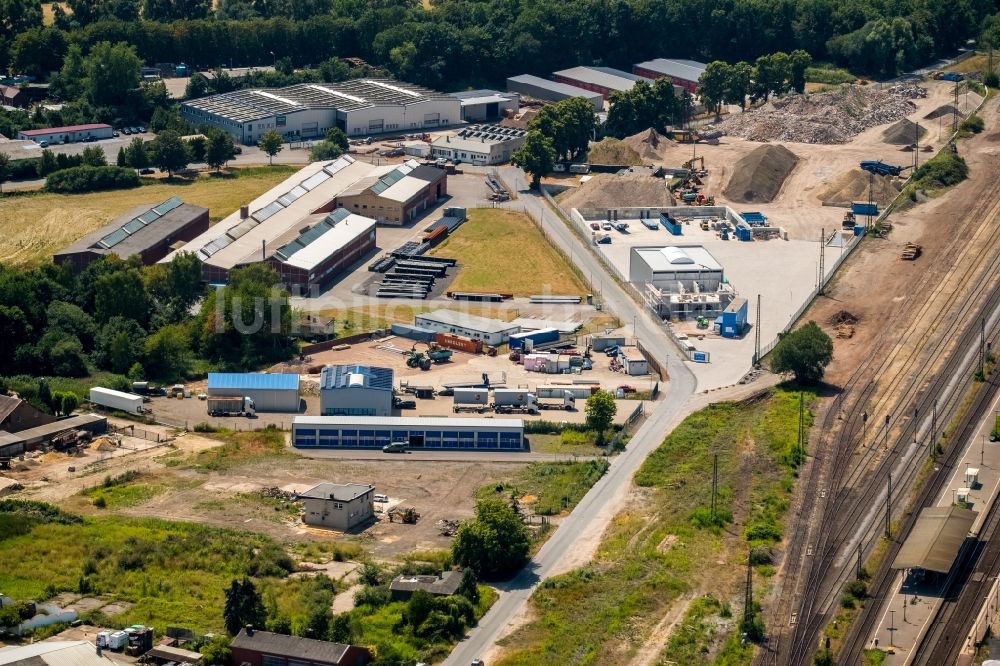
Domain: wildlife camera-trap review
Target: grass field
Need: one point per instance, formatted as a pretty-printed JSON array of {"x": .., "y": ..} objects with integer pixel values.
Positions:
[
  {"x": 371, "y": 317},
  {"x": 666, "y": 545},
  {"x": 548, "y": 488},
  {"x": 501, "y": 250},
  {"x": 35, "y": 225}
]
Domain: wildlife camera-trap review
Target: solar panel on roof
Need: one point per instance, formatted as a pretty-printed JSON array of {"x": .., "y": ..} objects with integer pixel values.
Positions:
[
  {"x": 134, "y": 226},
  {"x": 267, "y": 211},
  {"x": 315, "y": 180},
  {"x": 113, "y": 238},
  {"x": 242, "y": 228},
  {"x": 168, "y": 205},
  {"x": 148, "y": 216},
  {"x": 290, "y": 196}
]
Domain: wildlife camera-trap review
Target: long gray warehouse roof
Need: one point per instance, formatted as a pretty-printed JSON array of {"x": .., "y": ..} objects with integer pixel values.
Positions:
[
  {"x": 252, "y": 104},
  {"x": 685, "y": 70},
  {"x": 138, "y": 229},
  {"x": 551, "y": 86},
  {"x": 405, "y": 422},
  {"x": 605, "y": 77}
]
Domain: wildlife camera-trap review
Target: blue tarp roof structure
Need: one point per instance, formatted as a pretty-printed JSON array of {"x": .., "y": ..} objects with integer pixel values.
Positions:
[{"x": 253, "y": 380}]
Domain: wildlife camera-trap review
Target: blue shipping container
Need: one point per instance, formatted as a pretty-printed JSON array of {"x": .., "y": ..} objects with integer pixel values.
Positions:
[
  {"x": 743, "y": 234},
  {"x": 670, "y": 224},
  {"x": 733, "y": 320},
  {"x": 539, "y": 337},
  {"x": 754, "y": 218},
  {"x": 864, "y": 208},
  {"x": 859, "y": 230}
]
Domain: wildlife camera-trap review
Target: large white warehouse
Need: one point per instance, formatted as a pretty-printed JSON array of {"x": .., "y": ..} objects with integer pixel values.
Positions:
[{"x": 307, "y": 110}]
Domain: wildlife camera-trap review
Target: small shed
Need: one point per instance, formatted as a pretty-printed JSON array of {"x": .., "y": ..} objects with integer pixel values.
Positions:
[
  {"x": 443, "y": 584},
  {"x": 633, "y": 362},
  {"x": 936, "y": 539},
  {"x": 271, "y": 392},
  {"x": 972, "y": 476},
  {"x": 733, "y": 320}
]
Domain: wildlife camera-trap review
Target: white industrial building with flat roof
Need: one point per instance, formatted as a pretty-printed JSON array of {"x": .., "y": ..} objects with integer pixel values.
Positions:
[
  {"x": 433, "y": 433},
  {"x": 480, "y": 144},
  {"x": 271, "y": 226},
  {"x": 490, "y": 331},
  {"x": 680, "y": 281},
  {"x": 359, "y": 107}
]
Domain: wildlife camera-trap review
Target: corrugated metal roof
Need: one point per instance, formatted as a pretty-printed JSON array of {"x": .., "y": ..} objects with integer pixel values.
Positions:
[
  {"x": 253, "y": 380},
  {"x": 935, "y": 539},
  {"x": 685, "y": 70},
  {"x": 290, "y": 646},
  {"x": 606, "y": 77},
  {"x": 339, "y": 376},
  {"x": 406, "y": 422},
  {"x": 464, "y": 320},
  {"x": 68, "y": 128},
  {"x": 551, "y": 86},
  {"x": 54, "y": 653}
]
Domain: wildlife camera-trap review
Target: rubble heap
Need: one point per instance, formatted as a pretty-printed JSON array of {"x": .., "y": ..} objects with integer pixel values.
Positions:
[{"x": 826, "y": 118}]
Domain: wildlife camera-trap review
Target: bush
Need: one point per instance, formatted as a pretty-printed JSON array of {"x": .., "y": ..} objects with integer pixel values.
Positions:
[
  {"x": 972, "y": 124},
  {"x": 100, "y": 502},
  {"x": 829, "y": 75},
  {"x": 372, "y": 595},
  {"x": 943, "y": 170},
  {"x": 91, "y": 179}
]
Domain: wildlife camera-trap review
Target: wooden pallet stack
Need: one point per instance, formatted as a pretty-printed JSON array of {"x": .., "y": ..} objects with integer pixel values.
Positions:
[{"x": 911, "y": 251}]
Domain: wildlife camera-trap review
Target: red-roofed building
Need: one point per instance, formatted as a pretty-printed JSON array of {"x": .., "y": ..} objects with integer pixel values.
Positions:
[
  {"x": 67, "y": 134},
  {"x": 14, "y": 96}
]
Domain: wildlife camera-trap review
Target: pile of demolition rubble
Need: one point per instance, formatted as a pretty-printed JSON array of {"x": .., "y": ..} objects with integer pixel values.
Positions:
[{"x": 828, "y": 118}]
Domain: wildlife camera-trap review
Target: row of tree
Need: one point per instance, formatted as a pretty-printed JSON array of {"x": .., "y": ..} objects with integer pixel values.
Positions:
[
  {"x": 776, "y": 73},
  {"x": 459, "y": 43}
]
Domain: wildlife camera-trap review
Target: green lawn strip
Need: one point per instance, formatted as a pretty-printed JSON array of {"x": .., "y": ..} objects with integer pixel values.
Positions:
[
  {"x": 238, "y": 449},
  {"x": 653, "y": 553},
  {"x": 556, "y": 486}
]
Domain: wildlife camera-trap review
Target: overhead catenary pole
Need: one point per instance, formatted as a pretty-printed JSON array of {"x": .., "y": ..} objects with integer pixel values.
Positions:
[
  {"x": 888, "y": 507},
  {"x": 756, "y": 334},
  {"x": 715, "y": 483},
  {"x": 886, "y": 432},
  {"x": 822, "y": 257},
  {"x": 932, "y": 445},
  {"x": 802, "y": 422},
  {"x": 748, "y": 598}
]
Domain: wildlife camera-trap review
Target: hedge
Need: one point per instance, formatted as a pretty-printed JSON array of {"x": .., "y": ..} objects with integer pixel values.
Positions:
[{"x": 91, "y": 179}]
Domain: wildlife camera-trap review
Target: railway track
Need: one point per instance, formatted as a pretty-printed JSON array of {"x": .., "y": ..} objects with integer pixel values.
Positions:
[{"x": 842, "y": 486}]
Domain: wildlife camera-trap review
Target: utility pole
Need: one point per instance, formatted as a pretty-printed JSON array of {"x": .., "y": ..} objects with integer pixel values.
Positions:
[
  {"x": 933, "y": 443},
  {"x": 888, "y": 508},
  {"x": 954, "y": 114},
  {"x": 822, "y": 260},
  {"x": 715, "y": 483},
  {"x": 864, "y": 428},
  {"x": 756, "y": 335},
  {"x": 858, "y": 575},
  {"x": 916, "y": 146},
  {"x": 802, "y": 422},
  {"x": 886, "y": 432},
  {"x": 748, "y": 598}
]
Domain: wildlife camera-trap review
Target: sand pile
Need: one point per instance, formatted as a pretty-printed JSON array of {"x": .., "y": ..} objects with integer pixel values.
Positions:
[
  {"x": 828, "y": 118},
  {"x": 853, "y": 186},
  {"x": 903, "y": 132},
  {"x": 757, "y": 178},
  {"x": 649, "y": 144},
  {"x": 607, "y": 190},
  {"x": 613, "y": 151}
]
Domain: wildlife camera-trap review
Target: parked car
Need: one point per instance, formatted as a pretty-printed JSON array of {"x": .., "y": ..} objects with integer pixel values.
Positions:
[
  {"x": 595, "y": 226},
  {"x": 90, "y": 139},
  {"x": 606, "y": 226},
  {"x": 126, "y": 130},
  {"x": 142, "y": 130},
  {"x": 404, "y": 404},
  {"x": 612, "y": 351},
  {"x": 43, "y": 144},
  {"x": 147, "y": 172},
  {"x": 116, "y": 133},
  {"x": 394, "y": 447},
  {"x": 135, "y": 130}
]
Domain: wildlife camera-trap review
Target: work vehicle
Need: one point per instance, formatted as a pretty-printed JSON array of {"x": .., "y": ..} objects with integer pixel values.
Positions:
[
  {"x": 381, "y": 498},
  {"x": 394, "y": 447},
  {"x": 567, "y": 402},
  {"x": 231, "y": 406},
  {"x": 880, "y": 168},
  {"x": 471, "y": 400},
  {"x": 508, "y": 401},
  {"x": 399, "y": 403},
  {"x": 118, "y": 400},
  {"x": 579, "y": 168}
]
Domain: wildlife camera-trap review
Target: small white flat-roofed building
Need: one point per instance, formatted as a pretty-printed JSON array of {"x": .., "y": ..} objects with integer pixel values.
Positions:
[
  {"x": 433, "y": 433},
  {"x": 680, "y": 281},
  {"x": 487, "y": 105},
  {"x": 489, "y": 331},
  {"x": 395, "y": 194},
  {"x": 340, "y": 506},
  {"x": 68, "y": 134},
  {"x": 359, "y": 107},
  {"x": 481, "y": 145},
  {"x": 536, "y": 87}
]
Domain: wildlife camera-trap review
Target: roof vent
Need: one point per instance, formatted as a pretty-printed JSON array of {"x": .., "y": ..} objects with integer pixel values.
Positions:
[{"x": 356, "y": 380}]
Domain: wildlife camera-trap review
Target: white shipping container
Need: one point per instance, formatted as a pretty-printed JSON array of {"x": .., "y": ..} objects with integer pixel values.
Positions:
[
  {"x": 117, "y": 640},
  {"x": 579, "y": 391},
  {"x": 124, "y": 402}
]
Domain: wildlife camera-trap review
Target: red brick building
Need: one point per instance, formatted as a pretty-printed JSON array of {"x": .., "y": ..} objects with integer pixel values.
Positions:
[{"x": 262, "y": 648}]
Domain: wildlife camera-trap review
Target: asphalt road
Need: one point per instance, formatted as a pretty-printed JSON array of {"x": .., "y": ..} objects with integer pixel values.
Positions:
[{"x": 592, "y": 513}]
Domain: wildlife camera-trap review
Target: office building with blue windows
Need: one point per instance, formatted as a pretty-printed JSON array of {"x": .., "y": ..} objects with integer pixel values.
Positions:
[{"x": 430, "y": 433}]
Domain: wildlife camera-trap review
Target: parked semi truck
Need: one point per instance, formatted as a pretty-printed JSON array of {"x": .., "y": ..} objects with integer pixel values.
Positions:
[
  {"x": 231, "y": 407},
  {"x": 566, "y": 401},
  {"x": 119, "y": 400},
  {"x": 509, "y": 401},
  {"x": 471, "y": 400}
]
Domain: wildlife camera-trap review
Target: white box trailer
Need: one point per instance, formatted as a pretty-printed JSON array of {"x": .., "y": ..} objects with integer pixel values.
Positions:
[
  {"x": 471, "y": 399},
  {"x": 579, "y": 391},
  {"x": 118, "y": 400}
]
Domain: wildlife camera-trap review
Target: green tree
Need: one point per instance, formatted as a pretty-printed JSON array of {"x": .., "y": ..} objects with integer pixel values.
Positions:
[
  {"x": 119, "y": 345},
  {"x": 47, "y": 163},
  {"x": 112, "y": 74},
  {"x": 121, "y": 160},
  {"x": 805, "y": 352},
  {"x": 536, "y": 156},
  {"x": 336, "y": 136},
  {"x": 198, "y": 147},
  {"x": 771, "y": 75},
  {"x": 569, "y": 124},
  {"x": 169, "y": 152},
  {"x": 69, "y": 402},
  {"x": 68, "y": 84},
  {"x": 121, "y": 293},
  {"x": 197, "y": 86},
  {"x": 4, "y": 169},
  {"x": 600, "y": 410},
  {"x": 94, "y": 156},
  {"x": 66, "y": 357},
  {"x": 217, "y": 652},
  {"x": 495, "y": 543},
  {"x": 71, "y": 319},
  {"x": 243, "y": 607},
  {"x": 271, "y": 143},
  {"x": 136, "y": 155},
  {"x": 324, "y": 150},
  {"x": 712, "y": 85},
  {"x": 220, "y": 149},
  {"x": 469, "y": 588},
  {"x": 168, "y": 352},
  {"x": 799, "y": 61},
  {"x": 738, "y": 84}
]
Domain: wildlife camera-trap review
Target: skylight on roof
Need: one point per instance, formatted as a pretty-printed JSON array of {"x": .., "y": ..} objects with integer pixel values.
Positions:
[
  {"x": 388, "y": 86},
  {"x": 331, "y": 91}
]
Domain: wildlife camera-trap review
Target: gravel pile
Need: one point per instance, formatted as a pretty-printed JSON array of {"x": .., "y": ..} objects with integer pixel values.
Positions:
[
  {"x": 903, "y": 132},
  {"x": 853, "y": 186},
  {"x": 827, "y": 118},
  {"x": 607, "y": 190},
  {"x": 758, "y": 177}
]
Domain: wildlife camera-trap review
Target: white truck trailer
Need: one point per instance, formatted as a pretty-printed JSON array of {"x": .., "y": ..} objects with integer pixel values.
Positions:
[
  {"x": 231, "y": 406},
  {"x": 566, "y": 401},
  {"x": 118, "y": 400},
  {"x": 509, "y": 401},
  {"x": 471, "y": 400}
]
